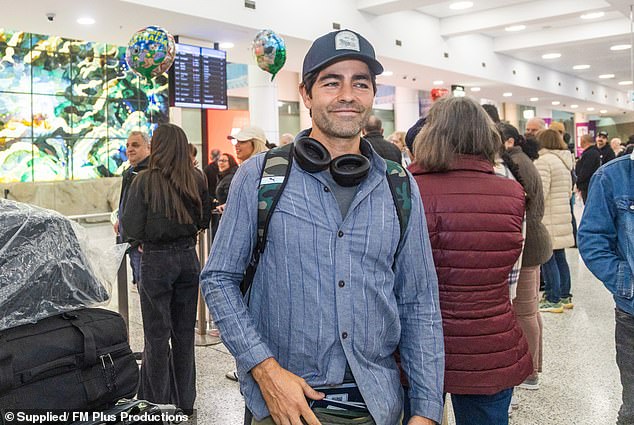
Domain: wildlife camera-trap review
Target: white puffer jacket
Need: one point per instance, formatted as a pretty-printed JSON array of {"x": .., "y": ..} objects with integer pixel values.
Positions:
[{"x": 554, "y": 167}]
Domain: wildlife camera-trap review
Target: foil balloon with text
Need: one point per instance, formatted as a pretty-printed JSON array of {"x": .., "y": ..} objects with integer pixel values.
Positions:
[
  {"x": 270, "y": 51},
  {"x": 151, "y": 51}
]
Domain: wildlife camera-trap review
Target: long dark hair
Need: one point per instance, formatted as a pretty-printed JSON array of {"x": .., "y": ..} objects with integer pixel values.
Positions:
[
  {"x": 170, "y": 183},
  {"x": 455, "y": 126}
]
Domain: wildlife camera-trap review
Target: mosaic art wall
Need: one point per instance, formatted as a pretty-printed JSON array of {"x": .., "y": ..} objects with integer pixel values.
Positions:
[{"x": 67, "y": 106}]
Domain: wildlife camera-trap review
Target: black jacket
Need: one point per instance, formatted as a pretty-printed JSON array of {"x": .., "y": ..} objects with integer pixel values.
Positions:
[
  {"x": 211, "y": 172},
  {"x": 145, "y": 225},
  {"x": 384, "y": 148},
  {"x": 607, "y": 154},
  {"x": 224, "y": 181},
  {"x": 126, "y": 181},
  {"x": 589, "y": 162}
]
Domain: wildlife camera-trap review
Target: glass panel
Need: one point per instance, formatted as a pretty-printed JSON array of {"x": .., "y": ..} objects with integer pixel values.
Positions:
[
  {"x": 51, "y": 159},
  {"x": 52, "y": 116},
  {"x": 15, "y": 160},
  {"x": 124, "y": 116},
  {"x": 19, "y": 39},
  {"x": 50, "y": 73},
  {"x": 117, "y": 156},
  {"x": 15, "y": 71},
  {"x": 15, "y": 116},
  {"x": 89, "y": 158},
  {"x": 122, "y": 83},
  {"x": 88, "y": 117},
  {"x": 50, "y": 44},
  {"x": 87, "y": 75}
]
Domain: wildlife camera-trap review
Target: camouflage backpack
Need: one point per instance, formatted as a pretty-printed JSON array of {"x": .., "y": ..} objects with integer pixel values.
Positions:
[{"x": 277, "y": 167}]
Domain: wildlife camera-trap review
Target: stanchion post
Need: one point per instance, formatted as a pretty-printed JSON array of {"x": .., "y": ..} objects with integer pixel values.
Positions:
[{"x": 122, "y": 292}]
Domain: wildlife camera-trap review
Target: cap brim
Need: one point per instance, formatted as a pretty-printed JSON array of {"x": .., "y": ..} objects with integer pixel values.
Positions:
[{"x": 374, "y": 65}]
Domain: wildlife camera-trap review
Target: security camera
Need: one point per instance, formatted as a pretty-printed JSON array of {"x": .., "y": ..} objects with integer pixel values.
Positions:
[{"x": 50, "y": 16}]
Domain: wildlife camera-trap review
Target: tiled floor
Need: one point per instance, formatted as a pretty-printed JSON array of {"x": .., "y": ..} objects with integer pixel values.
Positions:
[{"x": 579, "y": 384}]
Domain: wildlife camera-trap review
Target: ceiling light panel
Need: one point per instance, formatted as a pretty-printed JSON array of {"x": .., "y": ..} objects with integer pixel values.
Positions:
[
  {"x": 461, "y": 5},
  {"x": 593, "y": 15},
  {"x": 580, "y": 67},
  {"x": 551, "y": 56},
  {"x": 618, "y": 47},
  {"x": 606, "y": 76},
  {"x": 515, "y": 28}
]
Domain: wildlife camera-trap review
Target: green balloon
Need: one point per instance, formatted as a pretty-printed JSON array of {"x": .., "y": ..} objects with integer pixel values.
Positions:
[{"x": 270, "y": 51}]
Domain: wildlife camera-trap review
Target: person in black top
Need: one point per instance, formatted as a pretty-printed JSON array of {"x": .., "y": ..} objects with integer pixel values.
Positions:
[
  {"x": 211, "y": 172},
  {"x": 167, "y": 206},
  {"x": 227, "y": 167},
  {"x": 138, "y": 152},
  {"x": 589, "y": 162},
  {"x": 607, "y": 154},
  {"x": 373, "y": 133}
]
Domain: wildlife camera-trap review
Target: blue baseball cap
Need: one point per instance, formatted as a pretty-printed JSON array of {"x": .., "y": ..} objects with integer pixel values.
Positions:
[{"x": 339, "y": 45}]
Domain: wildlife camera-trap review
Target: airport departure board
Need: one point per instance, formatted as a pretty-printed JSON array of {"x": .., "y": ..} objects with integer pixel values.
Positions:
[{"x": 198, "y": 78}]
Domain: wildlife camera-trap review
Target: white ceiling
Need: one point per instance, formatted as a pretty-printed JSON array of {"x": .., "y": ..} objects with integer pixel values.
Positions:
[{"x": 551, "y": 26}]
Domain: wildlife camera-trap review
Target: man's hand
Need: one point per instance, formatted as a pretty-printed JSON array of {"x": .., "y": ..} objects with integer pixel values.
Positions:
[
  {"x": 116, "y": 227},
  {"x": 284, "y": 394},
  {"x": 419, "y": 420}
]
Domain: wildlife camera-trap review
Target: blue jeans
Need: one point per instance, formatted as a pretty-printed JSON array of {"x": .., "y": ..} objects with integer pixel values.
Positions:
[
  {"x": 557, "y": 276},
  {"x": 135, "y": 264},
  {"x": 624, "y": 336},
  {"x": 482, "y": 409}
]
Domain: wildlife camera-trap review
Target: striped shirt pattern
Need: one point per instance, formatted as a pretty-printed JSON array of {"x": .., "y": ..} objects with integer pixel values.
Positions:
[{"x": 329, "y": 289}]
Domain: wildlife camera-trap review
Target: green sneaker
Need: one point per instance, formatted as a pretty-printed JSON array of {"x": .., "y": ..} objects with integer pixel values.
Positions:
[
  {"x": 567, "y": 303},
  {"x": 548, "y": 307}
]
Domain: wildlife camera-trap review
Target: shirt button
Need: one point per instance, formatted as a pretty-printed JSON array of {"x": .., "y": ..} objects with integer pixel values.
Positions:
[
  {"x": 342, "y": 283},
  {"x": 344, "y": 335},
  {"x": 326, "y": 189},
  {"x": 340, "y": 234}
]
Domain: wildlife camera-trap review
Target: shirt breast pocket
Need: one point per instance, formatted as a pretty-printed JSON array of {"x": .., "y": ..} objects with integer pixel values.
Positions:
[{"x": 625, "y": 211}]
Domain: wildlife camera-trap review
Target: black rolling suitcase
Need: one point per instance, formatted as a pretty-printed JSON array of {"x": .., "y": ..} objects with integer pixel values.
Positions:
[{"x": 79, "y": 360}]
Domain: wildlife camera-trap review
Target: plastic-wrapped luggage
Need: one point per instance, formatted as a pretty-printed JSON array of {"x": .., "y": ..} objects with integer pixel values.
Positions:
[
  {"x": 135, "y": 412},
  {"x": 45, "y": 268},
  {"x": 77, "y": 360}
]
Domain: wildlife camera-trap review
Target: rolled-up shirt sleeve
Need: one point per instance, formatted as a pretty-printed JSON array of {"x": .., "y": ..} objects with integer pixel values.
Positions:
[
  {"x": 228, "y": 259},
  {"x": 421, "y": 345}
]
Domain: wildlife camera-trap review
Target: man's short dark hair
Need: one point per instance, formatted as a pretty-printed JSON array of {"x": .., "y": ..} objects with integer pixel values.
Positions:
[{"x": 492, "y": 111}]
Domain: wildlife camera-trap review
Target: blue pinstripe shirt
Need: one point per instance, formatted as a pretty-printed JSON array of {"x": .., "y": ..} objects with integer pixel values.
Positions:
[{"x": 329, "y": 289}]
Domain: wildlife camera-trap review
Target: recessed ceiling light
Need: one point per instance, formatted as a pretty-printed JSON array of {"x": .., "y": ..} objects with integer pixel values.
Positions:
[
  {"x": 387, "y": 73},
  {"x": 461, "y": 5},
  {"x": 604, "y": 111},
  {"x": 226, "y": 45},
  {"x": 514, "y": 28},
  {"x": 606, "y": 76},
  {"x": 574, "y": 106},
  {"x": 589, "y": 109},
  {"x": 551, "y": 56},
  {"x": 438, "y": 82},
  {"x": 475, "y": 89},
  {"x": 507, "y": 94},
  {"x": 85, "y": 21},
  {"x": 618, "y": 47},
  {"x": 578, "y": 67},
  {"x": 555, "y": 102},
  {"x": 593, "y": 15},
  {"x": 534, "y": 99},
  {"x": 625, "y": 83}
]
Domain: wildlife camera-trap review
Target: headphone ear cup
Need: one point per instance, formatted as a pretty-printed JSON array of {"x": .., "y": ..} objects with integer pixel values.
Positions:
[
  {"x": 311, "y": 155},
  {"x": 349, "y": 170}
]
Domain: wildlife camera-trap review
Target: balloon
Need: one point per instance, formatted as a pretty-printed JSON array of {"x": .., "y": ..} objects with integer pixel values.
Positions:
[
  {"x": 270, "y": 51},
  {"x": 151, "y": 51}
]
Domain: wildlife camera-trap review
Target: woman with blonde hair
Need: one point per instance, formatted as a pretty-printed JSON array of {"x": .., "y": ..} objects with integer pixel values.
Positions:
[
  {"x": 555, "y": 165},
  {"x": 398, "y": 139}
]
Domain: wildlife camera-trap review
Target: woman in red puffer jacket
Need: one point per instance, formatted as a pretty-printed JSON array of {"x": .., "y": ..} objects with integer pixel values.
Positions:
[{"x": 475, "y": 227}]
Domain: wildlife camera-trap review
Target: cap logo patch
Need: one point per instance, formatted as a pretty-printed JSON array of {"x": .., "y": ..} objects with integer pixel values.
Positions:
[{"x": 346, "y": 40}]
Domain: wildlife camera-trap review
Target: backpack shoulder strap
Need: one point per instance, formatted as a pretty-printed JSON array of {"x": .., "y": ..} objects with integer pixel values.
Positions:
[
  {"x": 275, "y": 171},
  {"x": 401, "y": 193}
]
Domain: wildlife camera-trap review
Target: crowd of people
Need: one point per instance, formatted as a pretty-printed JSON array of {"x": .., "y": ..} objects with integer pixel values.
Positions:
[{"x": 372, "y": 302}]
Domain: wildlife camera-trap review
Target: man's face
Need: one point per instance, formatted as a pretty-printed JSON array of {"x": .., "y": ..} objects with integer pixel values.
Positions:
[
  {"x": 137, "y": 150},
  {"x": 244, "y": 150},
  {"x": 601, "y": 141},
  {"x": 532, "y": 127},
  {"x": 341, "y": 99}
]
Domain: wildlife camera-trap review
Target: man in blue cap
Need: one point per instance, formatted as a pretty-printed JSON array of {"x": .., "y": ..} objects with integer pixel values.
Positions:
[{"x": 338, "y": 289}]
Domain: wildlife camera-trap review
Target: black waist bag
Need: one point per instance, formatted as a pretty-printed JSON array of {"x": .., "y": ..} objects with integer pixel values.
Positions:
[{"x": 76, "y": 360}]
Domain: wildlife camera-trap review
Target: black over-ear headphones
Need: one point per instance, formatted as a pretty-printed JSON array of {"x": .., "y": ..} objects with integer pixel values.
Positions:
[{"x": 347, "y": 170}]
